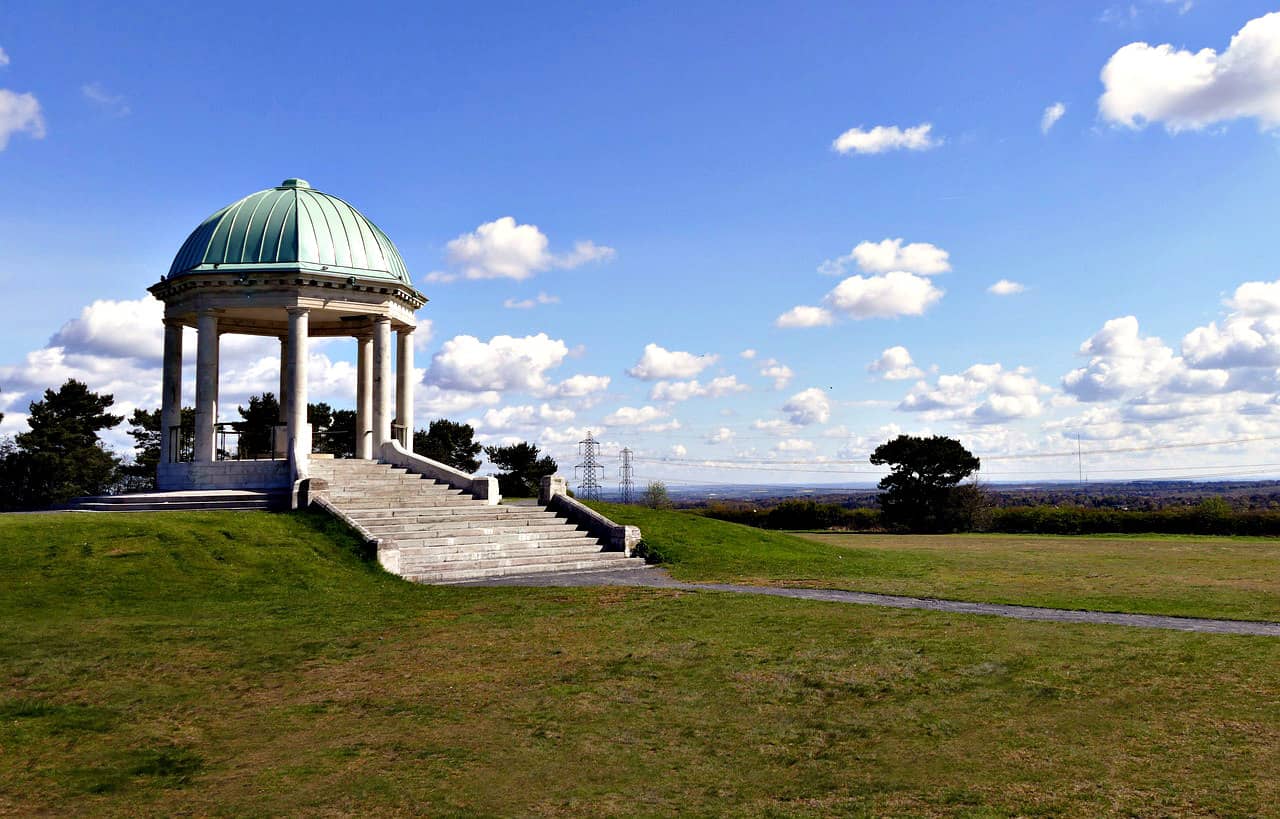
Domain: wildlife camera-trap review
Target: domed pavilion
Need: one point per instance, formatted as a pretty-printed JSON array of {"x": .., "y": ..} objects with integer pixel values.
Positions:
[{"x": 293, "y": 263}]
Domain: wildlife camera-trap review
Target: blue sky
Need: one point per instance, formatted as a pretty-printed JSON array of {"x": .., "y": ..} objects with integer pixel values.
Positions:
[{"x": 672, "y": 178}]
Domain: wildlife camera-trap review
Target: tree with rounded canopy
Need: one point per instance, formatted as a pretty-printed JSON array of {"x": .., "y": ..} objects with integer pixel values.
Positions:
[
  {"x": 524, "y": 470},
  {"x": 920, "y": 492},
  {"x": 449, "y": 442}
]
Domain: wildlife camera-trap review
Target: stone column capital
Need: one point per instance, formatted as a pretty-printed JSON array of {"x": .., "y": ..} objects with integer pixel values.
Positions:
[
  {"x": 210, "y": 311},
  {"x": 297, "y": 311},
  {"x": 173, "y": 322}
]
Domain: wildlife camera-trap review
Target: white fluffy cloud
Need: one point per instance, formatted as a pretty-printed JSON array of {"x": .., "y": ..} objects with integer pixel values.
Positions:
[
  {"x": 893, "y": 294},
  {"x": 779, "y": 372},
  {"x": 131, "y": 328},
  {"x": 897, "y": 287},
  {"x": 1249, "y": 336},
  {"x": 1121, "y": 362},
  {"x": 1125, "y": 365},
  {"x": 895, "y": 364},
  {"x": 804, "y": 315},
  {"x": 809, "y": 406},
  {"x": 19, "y": 114},
  {"x": 501, "y": 419},
  {"x": 673, "y": 391},
  {"x": 983, "y": 394},
  {"x": 658, "y": 363},
  {"x": 506, "y": 249},
  {"x": 578, "y": 386},
  {"x": 1005, "y": 287},
  {"x": 1188, "y": 90},
  {"x": 1051, "y": 115},
  {"x": 748, "y": 354},
  {"x": 720, "y": 436},
  {"x": 433, "y": 402},
  {"x": 4, "y": 58},
  {"x": 502, "y": 363},
  {"x": 883, "y": 138},
  {"x": 889, "y": 255},
  {"x": 634, "y": 416}
]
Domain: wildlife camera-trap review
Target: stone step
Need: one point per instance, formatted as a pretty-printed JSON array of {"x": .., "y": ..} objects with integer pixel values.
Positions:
[
  {"x": 478, "y": 510},
  {"x": 474, "y": 572},
  {"x": 342, "y": 481},
  {"x": 408, "y": 483},
  {"x": 429, "y": 539},
  {"x": 359, "y": 468},
  {"x": 398, "y": 494},
  {"x": 414, "y": 502},
  {"x": 461, "y": 525},
  {"x": 426, "y": 558}
]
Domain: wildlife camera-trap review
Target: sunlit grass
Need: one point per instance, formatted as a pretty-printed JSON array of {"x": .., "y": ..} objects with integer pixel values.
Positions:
[
  {"x": 1204, "y": 576},
  {"x": 253, "y": 664}
]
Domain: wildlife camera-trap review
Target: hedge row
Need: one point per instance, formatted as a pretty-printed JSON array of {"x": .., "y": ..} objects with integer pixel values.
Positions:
[{"x": 1210, "y": 517}]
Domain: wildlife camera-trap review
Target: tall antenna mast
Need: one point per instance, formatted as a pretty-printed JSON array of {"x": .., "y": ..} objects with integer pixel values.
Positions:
[
  {"x": 627, "y": 471},
  {"x": 1079, "y": 459},
  {"x": 590, "y": 469}
]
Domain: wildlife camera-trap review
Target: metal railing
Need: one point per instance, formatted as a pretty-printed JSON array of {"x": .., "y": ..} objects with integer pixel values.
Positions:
[
  {"x": 340, "y": 443},
  {"x": 230, "y": 442}
]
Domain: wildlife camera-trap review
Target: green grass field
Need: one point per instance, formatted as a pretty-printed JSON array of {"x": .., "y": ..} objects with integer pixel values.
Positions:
[
  {"x": 1234, "y": 578},
  {"x": 235, "y": 664}
]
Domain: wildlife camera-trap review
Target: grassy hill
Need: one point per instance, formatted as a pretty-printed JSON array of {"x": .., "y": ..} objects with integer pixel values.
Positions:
[
  {"x": 255, "y": 664},
  {"x": 1191, "y": 576}
]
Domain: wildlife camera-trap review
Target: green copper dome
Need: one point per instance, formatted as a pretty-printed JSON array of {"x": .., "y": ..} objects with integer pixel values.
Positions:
[{"x": 290, "y": 227}]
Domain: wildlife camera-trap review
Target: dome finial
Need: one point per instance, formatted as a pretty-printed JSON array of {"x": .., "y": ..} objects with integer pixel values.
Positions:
[{"x": 293, "y": 182}]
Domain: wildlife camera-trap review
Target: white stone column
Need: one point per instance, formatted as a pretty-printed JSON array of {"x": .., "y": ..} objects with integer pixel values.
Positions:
[
  {"x": 281, "y": 442},
  {"x": 404, "y": 384},
  {"x": 381, "y": 382},
  {"x": 299, "y": 431},
  {"x": 206, "y": 384},
  {"x": 364, "y": 396},
  {"x": 282, "y": 397},
  {"x": 171, "y": 390}
]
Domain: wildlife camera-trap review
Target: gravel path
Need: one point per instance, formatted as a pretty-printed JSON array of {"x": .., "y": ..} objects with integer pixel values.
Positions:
[{"x": 658, "y": 578}]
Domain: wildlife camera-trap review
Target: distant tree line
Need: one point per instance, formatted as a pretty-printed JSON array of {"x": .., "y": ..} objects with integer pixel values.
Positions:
[{"x": 1211, "y": 516}]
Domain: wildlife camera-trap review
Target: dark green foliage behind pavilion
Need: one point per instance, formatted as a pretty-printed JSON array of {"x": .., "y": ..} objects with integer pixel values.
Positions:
[
  {"x": 522, "y": 467},
  {"x": 449, "y": 442},
  {"x": 60, "y": 456}
]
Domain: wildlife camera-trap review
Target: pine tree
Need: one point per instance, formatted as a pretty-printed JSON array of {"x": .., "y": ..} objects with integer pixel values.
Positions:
[
  {"x": 524, "y": 469},
  {"x": 60, "y": 457},
  {"x": 449, "y": 443}
]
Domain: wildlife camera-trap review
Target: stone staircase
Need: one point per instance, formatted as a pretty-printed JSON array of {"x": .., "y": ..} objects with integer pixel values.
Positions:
[{"x": 445, "y": 536}]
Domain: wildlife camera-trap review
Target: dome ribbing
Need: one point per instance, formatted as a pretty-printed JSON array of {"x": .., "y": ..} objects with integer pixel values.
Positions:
[{"x": 291, "y": 227}]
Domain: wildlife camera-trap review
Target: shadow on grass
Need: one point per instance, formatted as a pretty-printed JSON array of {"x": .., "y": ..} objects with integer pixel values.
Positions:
[
  {"x": 169, "y": 766},
  {"x": 343, "y": 537}
]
